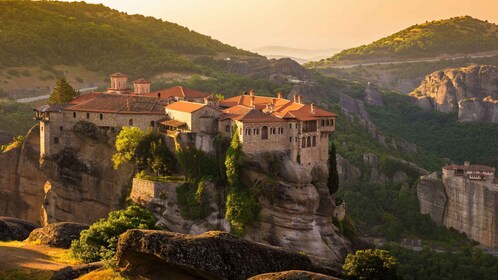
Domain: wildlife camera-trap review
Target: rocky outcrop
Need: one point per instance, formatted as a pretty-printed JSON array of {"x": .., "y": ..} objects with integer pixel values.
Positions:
[
  {"x": 211, "y": 255},
  {"x": 281, "y": 71},
  {"x": 432, "y": 197},
  {"x": 293, "y": 275},
  {"x": 346, "y": 170},
  {"x": 21, "y": 179},
  {"x": 373, "y": 96},
  {"x": 15, "y": 229},
  {"x": 466, "y": 205},
  {"x": 78, "y": 185},
  {"x": 471, "y": 91},
  {"x": 59, "y": 235}
]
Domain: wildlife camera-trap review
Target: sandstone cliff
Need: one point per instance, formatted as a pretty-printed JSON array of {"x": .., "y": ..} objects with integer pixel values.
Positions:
[
  {"x": 471, "y": 91},
  {"x": 78, "y": 185},
  {"x": 469, "y": 206},
  {"x": 296, "y": 212}
]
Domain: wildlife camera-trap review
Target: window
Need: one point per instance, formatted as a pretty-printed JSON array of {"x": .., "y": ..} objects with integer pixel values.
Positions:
[
  {"x": 227, "y": 128},
  {"x": 323, "y": 122},
  {"x": 295, "y": 126},
  {"x": 74, "y": 114},
  {"x": 303, "y": 142},
  {"x": 41, "y": 128},
  {"x": 56, "y": 140},
  {"x": 290, "y": 139},
  {"x": 280, "y": 130},
  {"x": 264, "y": 132},
  {"x": 328, "y": 123},
  {"x": 290, "y": 126},
  {"x": 101, "y": 117},
  {"x": 256, "y": 131},
  {"x": 130, "y": 122},
  {"x": 87, "y": 115},
  {"x": 314, "y": 141},
  {"x": 295, "y": 139},
  {"x": 152, "y": 123},
  {"x": 308, "y": 141},
  {"x": 332, "y": 122},
  {"x": 61, "y": 128}
]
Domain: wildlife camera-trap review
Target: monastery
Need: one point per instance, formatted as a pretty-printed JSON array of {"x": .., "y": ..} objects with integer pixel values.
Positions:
[{"x": 263, "y": 123}]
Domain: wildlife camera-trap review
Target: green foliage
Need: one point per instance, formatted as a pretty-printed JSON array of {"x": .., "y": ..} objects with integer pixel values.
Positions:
[
  {"x": 193, "y": 201},
  {"x": 346, "y": 227},
  {"x": 196, "y": 164},
  {"x": 16, "y": 143},
  {"x": 127, "y": 143},
  {"x": 63, "y": 93},
  {"x": 153, "y": 153},
  {"x": 17, "y": 118},
  {"x": 77, "y": 33},
  {"x": 430, "y": 265},
  {"x": 99, "y": 242},
  {"x": 333, "y": 180},
  {"x": 242, "y": 209},
  {"x": 438, "y": 133},
  {"x": 232, "y": 160},
  {"x": 370, "y": 265},
  {"x": 428, "y": 40},
  {"x": 86, "y": 128},
  {"x": 391, "y": 211}
]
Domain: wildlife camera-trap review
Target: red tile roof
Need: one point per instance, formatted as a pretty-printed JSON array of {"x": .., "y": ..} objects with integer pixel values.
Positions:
[
  {"x": 180, "y": 92},
  {"x": 118, "y": 103},
  {"x": 256, "y": 116},
  {"x": 477, "y": 168},
  {"x": 117, "y": 74},
  {"x": 141, "y": 81},
  {"x": 185, "y": 106}
]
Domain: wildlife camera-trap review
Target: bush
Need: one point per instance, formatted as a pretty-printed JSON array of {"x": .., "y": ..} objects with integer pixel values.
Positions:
[
  {"x": 196, "y": 164},
  {"x": 192, "y": 201},
  {"x": 370, "y": 265},
  {"x": 242, "y": 209},
  {"x": 99, "y": 242}
]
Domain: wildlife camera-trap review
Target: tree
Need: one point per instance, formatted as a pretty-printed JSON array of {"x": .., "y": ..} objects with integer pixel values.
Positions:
[
  {"x": 63, "y": 93},
  {"x": 370, "y": 265},
  {"x": 232, "y": 159},
  {"x": 101, "y": 239},
  {"x": 333, "y": 180},
  {"x": 126, "y": 145}
]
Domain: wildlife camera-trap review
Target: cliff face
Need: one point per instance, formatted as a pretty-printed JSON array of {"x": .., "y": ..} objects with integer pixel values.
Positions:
[
  {"x": 77, "y": 185},
  {"x": 469, "y": 206},
  {"x": 296, "y": 208},
  {"x": 471, "y": 91}
]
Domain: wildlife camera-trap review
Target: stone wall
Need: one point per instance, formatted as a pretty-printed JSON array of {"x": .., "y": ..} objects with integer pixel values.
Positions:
[
  {"x": 146, "y": 190},
  {"x": 142, "y": 121}
]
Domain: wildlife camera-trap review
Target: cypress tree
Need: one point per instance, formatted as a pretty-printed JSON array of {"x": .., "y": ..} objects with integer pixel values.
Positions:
[
  {"x": 333, "y": 180},
  {"x": 63, "y": 93}
]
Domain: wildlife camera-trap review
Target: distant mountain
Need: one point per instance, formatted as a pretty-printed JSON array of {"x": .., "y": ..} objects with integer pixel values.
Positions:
[
  {"x": 299, "y": 55},
  {"x": 458, "y": 35},
  {"x": 100, "y": 39}
]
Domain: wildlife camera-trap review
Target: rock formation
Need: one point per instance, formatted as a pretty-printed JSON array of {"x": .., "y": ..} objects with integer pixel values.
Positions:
[
  {"x": 471, "y": 91},
  {"x": 459, "y": 202},
  {"x": 373, "y": 96},
  {"x": 15, "y": 229},
  {"x": 78, "y": 185},
  {"x": 211, "y": 255},
  {"x": 59, "y": 235},
  {"x": 292, "y": 275}
]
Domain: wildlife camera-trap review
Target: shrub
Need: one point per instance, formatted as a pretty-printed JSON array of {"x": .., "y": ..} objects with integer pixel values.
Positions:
[
  {"x": 99, "y": 242},
  {"x": 242, "y": 209},
  {"x": 192, "y": 201},
  {"x": 196, "y": 164},
  {"x": 371, "y": 265}
]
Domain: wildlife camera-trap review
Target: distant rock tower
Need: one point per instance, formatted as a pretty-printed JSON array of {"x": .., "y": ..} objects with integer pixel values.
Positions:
[
  {"x": 119, "y": 83},
  {"x": 141, "y": 86}
]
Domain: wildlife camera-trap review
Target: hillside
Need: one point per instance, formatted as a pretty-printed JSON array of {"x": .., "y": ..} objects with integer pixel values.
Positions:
[
  {"x": 430, "y": 39},
  {"x": 100, "y": 39}
]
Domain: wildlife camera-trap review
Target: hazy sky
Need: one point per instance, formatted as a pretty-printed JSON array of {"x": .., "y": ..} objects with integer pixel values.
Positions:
[{"x": 311, "y": 24}]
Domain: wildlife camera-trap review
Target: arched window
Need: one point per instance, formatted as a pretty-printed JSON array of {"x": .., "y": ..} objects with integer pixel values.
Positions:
[
  {"x": 308, "y": 144},
  {"x": 303, "y": 144},
  {"x": 264, "y": 132},
  {"x": 130, "y": 122},
  {"x": 227, "y": 128},
  {"x": 314, "y": 141}
]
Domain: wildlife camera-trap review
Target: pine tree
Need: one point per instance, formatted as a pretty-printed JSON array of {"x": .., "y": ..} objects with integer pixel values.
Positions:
[
  {"x": 333, "y": 180},
  {"x": 63, "y": 93}
]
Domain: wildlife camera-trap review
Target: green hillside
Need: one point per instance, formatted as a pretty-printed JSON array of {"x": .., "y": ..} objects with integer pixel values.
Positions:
[
  {"x": 99, "y": 38},
  {"x": 459, "y": 35}
]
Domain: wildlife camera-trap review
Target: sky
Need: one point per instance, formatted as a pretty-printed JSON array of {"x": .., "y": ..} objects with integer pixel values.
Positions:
[{"x": 307, "y": 24}]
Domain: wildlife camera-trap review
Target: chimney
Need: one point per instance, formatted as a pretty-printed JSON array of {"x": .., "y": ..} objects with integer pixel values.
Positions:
[
  {"x": 252, "y": 101},
  {"x": 295, "y": 98},
  {"x": 251, "y": 92},
  {"x": 279, "y": 95},
  {"x": 299, "y": 99},
  {"x": 313, "y": 108},
  {"x": 466, "y": 163},
  {"x": 273, "y": 101}
]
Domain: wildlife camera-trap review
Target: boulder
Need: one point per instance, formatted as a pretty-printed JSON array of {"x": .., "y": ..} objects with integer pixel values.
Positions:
[
  {"x": 211, "y": 255},
  {"x": 15, "y": 229},
  {"x": 293, "y": 275},
  {"x": 59, "y": 235},
  {"x": 73, "y": 272}
]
